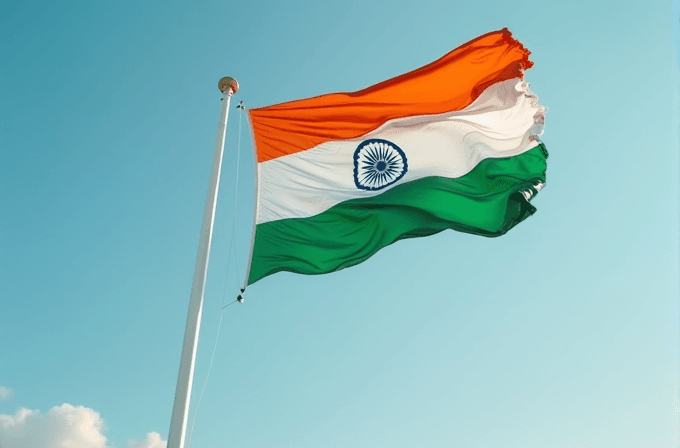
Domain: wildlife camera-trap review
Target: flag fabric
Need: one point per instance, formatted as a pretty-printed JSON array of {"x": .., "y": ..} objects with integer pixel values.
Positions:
[{"x": 451, "y": 145}]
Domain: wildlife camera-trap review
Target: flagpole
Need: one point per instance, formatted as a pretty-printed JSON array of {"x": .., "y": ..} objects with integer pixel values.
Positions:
[{"x": 180, "y": 408}]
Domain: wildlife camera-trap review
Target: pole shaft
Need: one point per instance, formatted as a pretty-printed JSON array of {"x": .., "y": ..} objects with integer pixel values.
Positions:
[{"x": 185, "y": 378}]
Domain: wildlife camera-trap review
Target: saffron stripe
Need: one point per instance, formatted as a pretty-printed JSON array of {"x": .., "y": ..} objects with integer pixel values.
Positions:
[{"x": 449, "y": 84}]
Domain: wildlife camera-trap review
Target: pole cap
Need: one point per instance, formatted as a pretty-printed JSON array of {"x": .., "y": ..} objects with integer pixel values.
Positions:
[{"x": 228, "y": 83}]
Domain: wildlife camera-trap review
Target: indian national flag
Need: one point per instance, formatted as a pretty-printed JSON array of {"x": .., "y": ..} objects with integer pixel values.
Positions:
[{"x": 451, "y": 145}]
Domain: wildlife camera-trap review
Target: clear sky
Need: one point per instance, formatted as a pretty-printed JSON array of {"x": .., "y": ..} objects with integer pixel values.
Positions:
[{"x": 562, "y": 333}]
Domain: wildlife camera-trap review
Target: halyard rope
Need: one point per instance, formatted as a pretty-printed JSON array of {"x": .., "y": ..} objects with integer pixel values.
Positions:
[{"x": 238, "y": 276}]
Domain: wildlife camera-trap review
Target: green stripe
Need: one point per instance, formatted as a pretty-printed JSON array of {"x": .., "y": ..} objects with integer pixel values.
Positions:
[{"x": 487, "y": 201}]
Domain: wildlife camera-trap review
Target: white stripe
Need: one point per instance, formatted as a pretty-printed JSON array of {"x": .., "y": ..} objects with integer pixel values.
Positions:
[{"x": 504, "y": 121}]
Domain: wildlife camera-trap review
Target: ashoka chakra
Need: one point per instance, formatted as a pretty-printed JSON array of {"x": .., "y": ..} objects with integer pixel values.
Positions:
[{"x": 377, "y": 164}]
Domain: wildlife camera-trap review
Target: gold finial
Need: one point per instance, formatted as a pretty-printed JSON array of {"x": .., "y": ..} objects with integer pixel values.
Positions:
[{"x": 228, "y": 83}]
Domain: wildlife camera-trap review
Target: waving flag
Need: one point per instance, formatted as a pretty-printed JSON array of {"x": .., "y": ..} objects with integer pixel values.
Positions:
[{"x": 451, "y": 145}]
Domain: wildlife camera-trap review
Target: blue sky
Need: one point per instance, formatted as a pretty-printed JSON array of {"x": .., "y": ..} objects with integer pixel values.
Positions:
[{"x": 564, "y": 332}]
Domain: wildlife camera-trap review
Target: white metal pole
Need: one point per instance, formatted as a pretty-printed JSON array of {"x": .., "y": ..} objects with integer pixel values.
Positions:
[{"x": 185, "y": 378}]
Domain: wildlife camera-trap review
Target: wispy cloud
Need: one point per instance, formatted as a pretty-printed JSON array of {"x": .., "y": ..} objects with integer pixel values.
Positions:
[
  {"x": 64, "y": 425},
  {"x": 5, "y": 393}
]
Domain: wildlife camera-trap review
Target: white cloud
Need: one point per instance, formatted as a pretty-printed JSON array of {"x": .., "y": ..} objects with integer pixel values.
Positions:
[
  {"x": 5, "y": 393},
  {"x": 153, "y": 440},
  {"x": 64, "y": 426}
]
